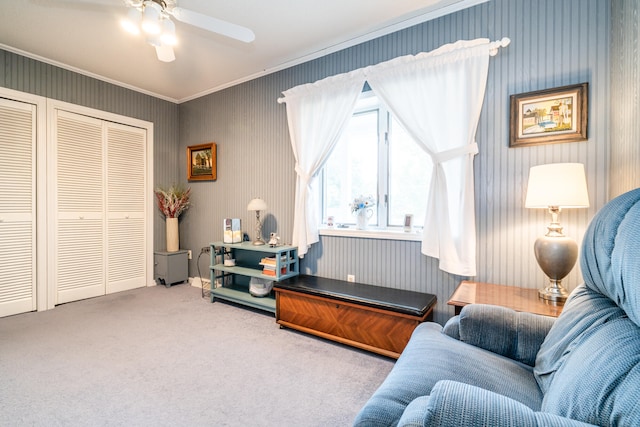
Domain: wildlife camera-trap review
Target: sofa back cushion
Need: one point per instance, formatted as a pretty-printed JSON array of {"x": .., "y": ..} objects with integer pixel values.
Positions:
[
  {"x": 611, "y": 250},
  {"x": 588, "y": 367}
]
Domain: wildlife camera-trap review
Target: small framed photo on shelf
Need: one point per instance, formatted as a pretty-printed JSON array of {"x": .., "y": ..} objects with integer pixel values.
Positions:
[
  {"x": 549, "y": 116},
  {"x": 201, "y": 162},
  {"x": 408, "y": 223}
]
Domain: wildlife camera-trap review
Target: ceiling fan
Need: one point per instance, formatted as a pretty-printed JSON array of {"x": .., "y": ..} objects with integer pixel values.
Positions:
[{"x": 153, "y": 19}]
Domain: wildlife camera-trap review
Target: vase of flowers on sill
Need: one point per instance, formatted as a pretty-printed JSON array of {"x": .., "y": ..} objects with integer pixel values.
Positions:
[
  {"x": 172, "y": 202},
  {"x": 362, "y": 208}
]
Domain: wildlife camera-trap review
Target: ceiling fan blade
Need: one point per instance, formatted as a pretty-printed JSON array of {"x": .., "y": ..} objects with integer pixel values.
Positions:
[
  {"x": 214, "y": 25},
  {"x": 165, "y": 53}
]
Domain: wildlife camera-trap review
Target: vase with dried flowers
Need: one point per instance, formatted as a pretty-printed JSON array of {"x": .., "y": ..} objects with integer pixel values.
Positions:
[{"x": 172, "y": 202}]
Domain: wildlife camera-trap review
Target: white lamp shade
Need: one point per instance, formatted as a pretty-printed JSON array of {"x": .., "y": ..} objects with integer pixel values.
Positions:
[
  {"x": 257, "y": 205},
  {"x": 557, "y": 184},
  {"x": 131, "y": 23},
  {"x": 168, "y": 36},
  {"x": 151, "y": 17},
  {"x": 165, "y": 53}
]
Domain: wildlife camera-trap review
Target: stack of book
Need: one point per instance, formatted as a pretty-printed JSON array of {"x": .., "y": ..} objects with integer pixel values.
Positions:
[{"x": 269, "y": 266}]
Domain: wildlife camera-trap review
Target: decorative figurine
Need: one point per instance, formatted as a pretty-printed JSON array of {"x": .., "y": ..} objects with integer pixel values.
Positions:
[{"x": 274, "y": 240}]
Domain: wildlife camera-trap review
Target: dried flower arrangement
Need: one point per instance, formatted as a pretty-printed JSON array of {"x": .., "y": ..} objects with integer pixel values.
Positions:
[
  {"x": 362, "y": 203},
  {"x": 173, "y": 201}
]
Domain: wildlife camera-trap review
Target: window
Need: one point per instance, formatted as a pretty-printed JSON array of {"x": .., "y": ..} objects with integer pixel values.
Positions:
[{"x": 376, "y": 157}]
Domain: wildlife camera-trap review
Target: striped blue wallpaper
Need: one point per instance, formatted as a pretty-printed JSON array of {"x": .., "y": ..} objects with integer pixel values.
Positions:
[
  {"x": 554, "y": 43},
  {"x": 625, "y": 96},
  {"x": 28, "y": 75}
]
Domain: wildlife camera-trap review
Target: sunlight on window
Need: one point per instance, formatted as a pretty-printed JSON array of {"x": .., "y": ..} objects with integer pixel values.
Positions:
[
  {"x": 352, "y": 169},
  {"x": 365, "y": 163},
  {"x": 409, "y": 173}
]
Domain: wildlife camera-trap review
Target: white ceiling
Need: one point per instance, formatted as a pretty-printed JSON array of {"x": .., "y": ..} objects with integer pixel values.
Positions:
[{"x": 85, "y": 36}]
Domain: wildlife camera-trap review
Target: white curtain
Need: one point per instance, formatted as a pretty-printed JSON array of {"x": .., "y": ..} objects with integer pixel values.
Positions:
[
  {"x": 437, "y": 97},
  {"x": 317, "y": 113}
]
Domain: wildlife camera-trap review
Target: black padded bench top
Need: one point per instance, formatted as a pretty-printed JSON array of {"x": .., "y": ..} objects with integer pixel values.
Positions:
[{"x": 398, "y": 300}]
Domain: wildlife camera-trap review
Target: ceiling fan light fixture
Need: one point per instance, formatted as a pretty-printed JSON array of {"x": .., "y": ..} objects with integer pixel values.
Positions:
[
  {"x": 168, "y": 36},
  {"x": 165, "y": 53},
  {"x": 151, "y": 15},
  {"x": 131, "y": 23},
  {"x": 154, "y": 40}
]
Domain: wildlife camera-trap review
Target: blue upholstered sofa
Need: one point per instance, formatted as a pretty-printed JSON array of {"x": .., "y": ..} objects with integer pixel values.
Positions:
[{"x": 491, "y": 366}]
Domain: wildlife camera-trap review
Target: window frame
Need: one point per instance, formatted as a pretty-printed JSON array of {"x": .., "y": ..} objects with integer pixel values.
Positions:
[{"x": 377, "y": 231}]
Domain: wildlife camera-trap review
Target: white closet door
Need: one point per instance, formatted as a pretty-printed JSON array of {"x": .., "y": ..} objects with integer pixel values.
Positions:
[
  {"x": 17, "y": 207},
  {"x": 126, "y": 190},
  {"x": 79, "y": 230}
]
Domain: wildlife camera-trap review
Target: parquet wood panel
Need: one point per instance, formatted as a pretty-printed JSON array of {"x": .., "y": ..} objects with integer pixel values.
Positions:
[{"x": 380, "y": 331}]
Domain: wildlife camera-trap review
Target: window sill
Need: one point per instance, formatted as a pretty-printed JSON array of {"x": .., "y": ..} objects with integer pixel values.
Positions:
[{"x": 372, "y": 233}]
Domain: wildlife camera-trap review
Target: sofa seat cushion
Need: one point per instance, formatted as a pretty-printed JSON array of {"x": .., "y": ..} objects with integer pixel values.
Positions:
[
  {"x": 431, "y": 356},
  {"x": 454, "y": 404}
]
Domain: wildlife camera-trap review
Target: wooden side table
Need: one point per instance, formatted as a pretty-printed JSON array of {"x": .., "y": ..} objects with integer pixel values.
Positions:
[{"x": 518, "y": 299}]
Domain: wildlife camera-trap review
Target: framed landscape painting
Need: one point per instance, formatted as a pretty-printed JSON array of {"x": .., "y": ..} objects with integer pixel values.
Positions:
[
  {"x": 549, "y": 116},
  {"x": 201, "y": 162}
]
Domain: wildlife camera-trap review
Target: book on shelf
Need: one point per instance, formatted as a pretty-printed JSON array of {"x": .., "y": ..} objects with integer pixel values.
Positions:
[
  {"x": 271, "y": 261},
  {"x": 272, "y": 272}
]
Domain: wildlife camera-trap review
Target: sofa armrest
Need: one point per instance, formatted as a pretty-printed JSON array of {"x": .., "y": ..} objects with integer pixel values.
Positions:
[
  {"x": 455, "y": 404},
  {"x": 501, "y": 330}
]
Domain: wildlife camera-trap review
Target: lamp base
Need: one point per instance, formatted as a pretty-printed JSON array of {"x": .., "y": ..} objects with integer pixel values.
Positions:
[
  {"x": 258, "y": 242},
  {"x": 554, "y": 293},
  {"x": 556, "y": 255}
]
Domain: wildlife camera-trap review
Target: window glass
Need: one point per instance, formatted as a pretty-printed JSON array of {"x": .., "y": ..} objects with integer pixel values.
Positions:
[
  {"x": 352, "y": 169},
  {"x": 394, "y": 170},
  {"x": 409, "y": 174}
]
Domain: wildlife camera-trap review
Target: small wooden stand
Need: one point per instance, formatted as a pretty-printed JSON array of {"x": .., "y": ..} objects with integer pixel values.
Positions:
[{"x": 518, "y": 299}]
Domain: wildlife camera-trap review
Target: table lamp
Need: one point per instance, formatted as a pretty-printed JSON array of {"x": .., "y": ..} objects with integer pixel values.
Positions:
[
  {"x": 554, "y": 187},
  {"x": 257, "y": 205}
]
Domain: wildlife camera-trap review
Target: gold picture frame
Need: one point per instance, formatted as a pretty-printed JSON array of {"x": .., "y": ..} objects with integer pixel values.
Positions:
[
  {"x": 549, "y": 116},
  {"x": 201, "y": 162}
]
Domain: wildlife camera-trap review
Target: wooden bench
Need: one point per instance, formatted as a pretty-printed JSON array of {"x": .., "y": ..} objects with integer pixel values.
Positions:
[{"x": 372, "y": 318}]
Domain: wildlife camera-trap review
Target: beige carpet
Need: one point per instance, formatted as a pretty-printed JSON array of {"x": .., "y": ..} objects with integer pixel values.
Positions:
[{"x": 167, "y": 357}]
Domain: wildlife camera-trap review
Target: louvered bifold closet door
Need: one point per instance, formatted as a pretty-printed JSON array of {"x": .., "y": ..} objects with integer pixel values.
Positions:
[
  {"x": 126, "y": 192},
  {"x": 79, "y": 231},
  {"x": 17, "y": 207}
]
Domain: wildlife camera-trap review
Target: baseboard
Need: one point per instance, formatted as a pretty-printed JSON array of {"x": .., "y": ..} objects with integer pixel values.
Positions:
[{"x": 200, "y": 282}]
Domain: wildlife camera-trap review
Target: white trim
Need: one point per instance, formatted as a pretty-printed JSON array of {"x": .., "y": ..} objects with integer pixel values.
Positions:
[
  {"x": 391, "y": 233},
  {"x": 41, "y": 296},
  {"x": 84, "y": 72},
  {"x": 454, "y": 6},
  {"x": 52, "y": 106},
  {"x": 199, "y": 282}
]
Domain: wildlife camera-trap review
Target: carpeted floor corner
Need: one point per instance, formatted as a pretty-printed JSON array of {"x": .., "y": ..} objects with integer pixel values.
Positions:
[{"x": 165, "y": 357}]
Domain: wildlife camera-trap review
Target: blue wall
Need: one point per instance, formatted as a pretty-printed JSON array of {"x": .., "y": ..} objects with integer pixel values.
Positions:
[
  {"x": 554, "y": 43},
  {"x": 28, "y": 75}
]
